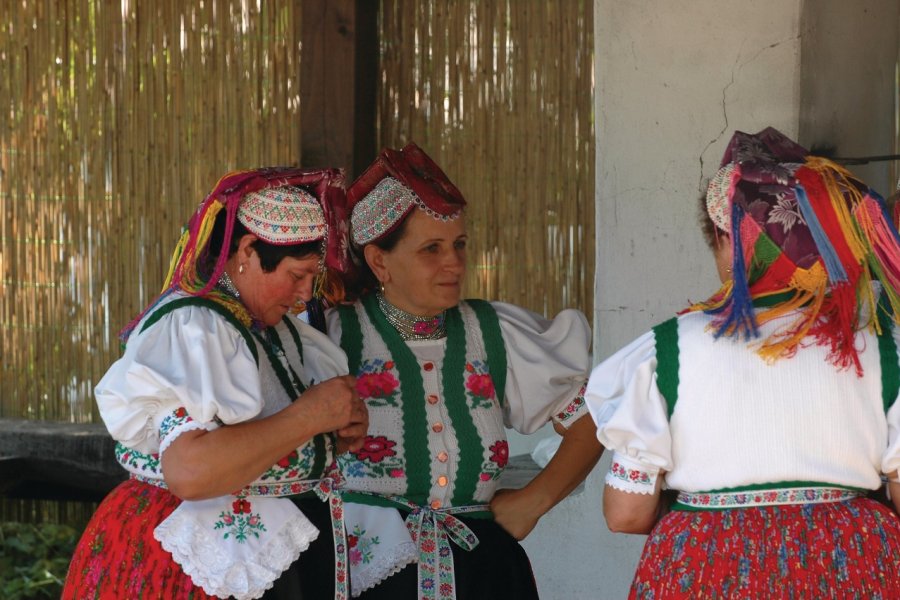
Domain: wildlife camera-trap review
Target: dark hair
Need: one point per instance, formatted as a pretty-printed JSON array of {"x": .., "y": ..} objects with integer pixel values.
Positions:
[
  {"x": 270, "y": 255},
  {"x": 363, "y": 281}
]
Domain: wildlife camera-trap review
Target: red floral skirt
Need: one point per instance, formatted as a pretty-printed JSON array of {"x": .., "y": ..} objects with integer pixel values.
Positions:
[
  {"x": 845, "y": 549},
  {"x": 117, "y": 556}
]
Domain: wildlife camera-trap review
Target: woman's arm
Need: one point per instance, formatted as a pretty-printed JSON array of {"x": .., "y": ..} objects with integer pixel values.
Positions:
[
  {"x": 894, "y": 490},
  {"x": 518, "y": 511},
  {"x": 627, "y": 512},
  {"x": 202, "y": 464}
]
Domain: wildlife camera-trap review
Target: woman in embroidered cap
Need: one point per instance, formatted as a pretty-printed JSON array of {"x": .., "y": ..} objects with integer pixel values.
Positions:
[
  {"x": 441, "y": 378},
  {"x": 771, "y": 408},
  {"x": 225, "y": 410}
]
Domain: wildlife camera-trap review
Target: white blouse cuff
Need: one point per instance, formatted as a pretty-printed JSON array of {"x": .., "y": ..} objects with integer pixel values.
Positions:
[
  {"x": 628, "y": 475},
  {"x": 177, "y": 422},
  {"x": 573, "y": 410}
]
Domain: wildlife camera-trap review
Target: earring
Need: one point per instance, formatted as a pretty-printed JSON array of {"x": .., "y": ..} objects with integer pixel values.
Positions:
[
  {"x": 241, "y": 268},
  {"x": 381, "y": 283}
]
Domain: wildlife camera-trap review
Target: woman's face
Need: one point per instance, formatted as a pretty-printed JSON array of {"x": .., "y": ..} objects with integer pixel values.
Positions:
[
  {"x": 269, "y": 296},
  {"x": 423, "y": 272}
]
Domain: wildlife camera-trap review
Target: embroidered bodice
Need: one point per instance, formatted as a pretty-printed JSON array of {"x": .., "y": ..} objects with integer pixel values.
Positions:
[{"x": 437, "y": 416}]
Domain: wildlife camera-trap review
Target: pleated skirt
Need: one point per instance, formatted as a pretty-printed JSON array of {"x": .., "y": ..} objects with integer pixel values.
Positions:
[{"x": 844, "y": 550}]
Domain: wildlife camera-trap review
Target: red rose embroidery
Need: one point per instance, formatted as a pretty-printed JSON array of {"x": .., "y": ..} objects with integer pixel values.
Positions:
[
  {"x": 285, "y": 462},
  {"x": 480, "y": 385},
  {"x": 376, "y": 449},
  {"x": 240, "y": 506},
  {"x": 500, "y": 455},
  {"x": 376, "y": 385}
]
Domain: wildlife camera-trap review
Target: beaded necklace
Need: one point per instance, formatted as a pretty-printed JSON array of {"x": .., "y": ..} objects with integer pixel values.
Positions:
[{"x": 410, "y": 326}]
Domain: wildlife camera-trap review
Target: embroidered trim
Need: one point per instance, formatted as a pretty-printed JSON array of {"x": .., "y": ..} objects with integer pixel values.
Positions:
[
  {"x": 632, "y": 476},
  {"x": 573, "y": 409},
  {"x": 432, "y": 531},
  {"x": 133, "y": 460},
  {"x": 774, "y": 497}
]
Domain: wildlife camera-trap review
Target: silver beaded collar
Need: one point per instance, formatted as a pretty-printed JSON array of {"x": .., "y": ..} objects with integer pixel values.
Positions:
[
  {"x": 410, "y": 326},
  {"x": 227, "y": 284}
]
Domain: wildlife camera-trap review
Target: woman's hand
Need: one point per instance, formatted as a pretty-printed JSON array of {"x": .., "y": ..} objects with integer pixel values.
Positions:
[
  {"x": 516, "y": 511},
  {"x": 337, "y": 403}
]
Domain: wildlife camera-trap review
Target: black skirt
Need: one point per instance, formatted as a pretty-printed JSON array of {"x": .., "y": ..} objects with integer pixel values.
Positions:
[{"x": 496, "y": 568}]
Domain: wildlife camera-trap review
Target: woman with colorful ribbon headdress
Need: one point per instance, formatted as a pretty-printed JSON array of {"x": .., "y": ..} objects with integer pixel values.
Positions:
[
  {"x": 441, "y": 378},
  {"x": 226, "y": 409},
  {"x": 770, "y": 409}
]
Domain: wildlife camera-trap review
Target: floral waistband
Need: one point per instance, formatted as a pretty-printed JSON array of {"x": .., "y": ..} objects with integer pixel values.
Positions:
[
  {"x": 768, "y": 497},
  {"x": 281, "y": 488}
]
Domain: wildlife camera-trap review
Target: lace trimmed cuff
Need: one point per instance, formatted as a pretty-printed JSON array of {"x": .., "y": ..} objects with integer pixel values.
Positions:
[
  {"x": 176, "y": 423},
  {"x": 628, "y": 475}
]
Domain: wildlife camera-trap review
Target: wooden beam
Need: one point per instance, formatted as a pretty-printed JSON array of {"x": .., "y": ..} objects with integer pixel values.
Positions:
[{"x": 337, "y": 83}]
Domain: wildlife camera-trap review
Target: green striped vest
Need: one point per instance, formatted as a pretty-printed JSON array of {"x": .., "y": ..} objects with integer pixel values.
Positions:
[{"x": 436, "y": 433}]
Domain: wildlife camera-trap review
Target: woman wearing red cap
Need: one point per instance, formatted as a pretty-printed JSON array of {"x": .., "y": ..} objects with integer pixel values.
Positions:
[
  {"x": 224, "y": 408},
  {"x": 771, "y": 409},
  {"x": 441, "y": 378}
]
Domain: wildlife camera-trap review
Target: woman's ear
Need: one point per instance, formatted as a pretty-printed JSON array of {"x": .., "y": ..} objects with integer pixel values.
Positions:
[
  {"x": 245, "y": 247},
  {"x": 375, "y": 259}
]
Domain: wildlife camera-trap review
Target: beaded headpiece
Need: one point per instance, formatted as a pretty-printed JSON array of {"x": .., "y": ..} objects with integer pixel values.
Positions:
[
  {"x": 807, "y": 236},
  {"x": 288, "y": 209},
  {"x": 397, "y": 182},
  {"x": 283, "y": 216}
]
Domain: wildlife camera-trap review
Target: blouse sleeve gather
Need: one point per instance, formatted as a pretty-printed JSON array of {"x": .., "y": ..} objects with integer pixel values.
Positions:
[
  {"x": 630, "y": 413},
  {"x": 548, "y": 361},
  {"x": 322, "y": 358},
  {"x": 191, "y": 359}
]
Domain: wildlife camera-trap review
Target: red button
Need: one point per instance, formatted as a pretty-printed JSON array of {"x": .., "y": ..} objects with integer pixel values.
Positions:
[
  {"x": 435, "y": 504},
  {"x": 437, "y": 427},
  {"x": 432, "y": 399},
  {"x": 428, "y": 366},
  {"x": 442, "y": 481},
  {"x": 443, "y": 456}
]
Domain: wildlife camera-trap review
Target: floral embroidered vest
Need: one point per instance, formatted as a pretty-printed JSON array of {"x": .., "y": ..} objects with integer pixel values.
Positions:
[
  {"x": 436, "y": 434},
  {"x": 280, "y": 367}
]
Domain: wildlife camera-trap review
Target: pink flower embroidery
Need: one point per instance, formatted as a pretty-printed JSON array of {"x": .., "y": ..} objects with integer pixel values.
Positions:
[
  {"x": 480, "y": 385},
  {"x": 376, "y": 449},
  {"x": 376, "y": 385},
  {"x": 500, "y": 455}
]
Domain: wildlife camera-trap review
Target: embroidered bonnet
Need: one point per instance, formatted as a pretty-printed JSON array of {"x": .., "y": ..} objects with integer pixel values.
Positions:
[{"x": 397, "y": 182}]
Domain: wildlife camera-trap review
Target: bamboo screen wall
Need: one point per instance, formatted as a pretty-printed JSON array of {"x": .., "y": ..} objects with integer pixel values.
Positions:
[
  {"x": 500, "y": 94},
  {"x": 118, "y": 117}
]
